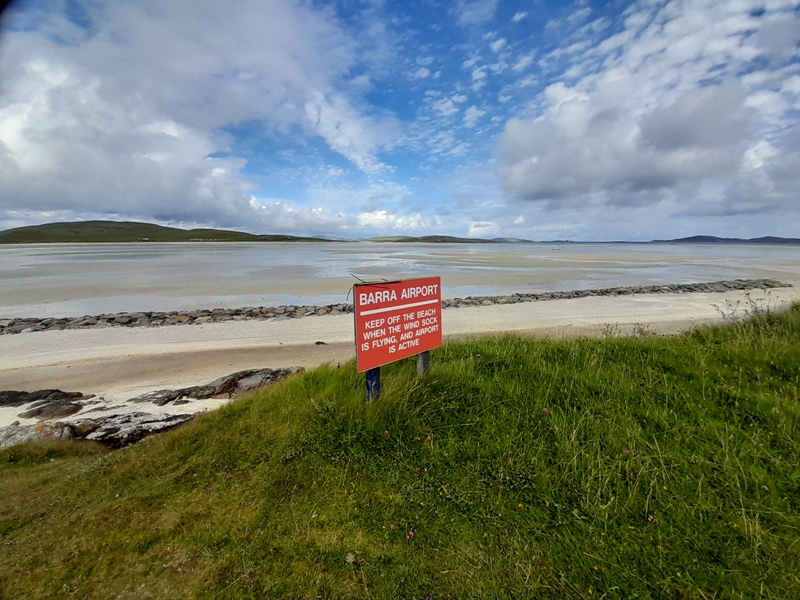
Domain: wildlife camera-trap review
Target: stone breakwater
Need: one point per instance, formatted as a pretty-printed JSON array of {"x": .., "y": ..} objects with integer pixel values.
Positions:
[{"x": 218, "y": 315}]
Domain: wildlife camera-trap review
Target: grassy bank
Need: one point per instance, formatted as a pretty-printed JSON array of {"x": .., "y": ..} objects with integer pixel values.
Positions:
[{"x": 614, "y": 468}]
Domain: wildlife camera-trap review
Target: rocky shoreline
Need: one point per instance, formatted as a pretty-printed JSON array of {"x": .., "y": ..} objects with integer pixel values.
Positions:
[
  {"x": 75, "y": 416},
  {"x": 218, "y": 315}
]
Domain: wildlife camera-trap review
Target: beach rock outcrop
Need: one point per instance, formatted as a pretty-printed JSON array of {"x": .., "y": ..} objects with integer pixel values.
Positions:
[
  {"x": 116, "y": 425},
  {"x": 14, "y": 435},
  {"x": 229, "y": 386},
  {"x": 116, "y": 431},
  {"x": 262, "y": 313},
  {"x": 15, "y": 398}
]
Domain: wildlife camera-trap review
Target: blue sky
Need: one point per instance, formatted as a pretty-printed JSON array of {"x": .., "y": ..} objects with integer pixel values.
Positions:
[{"x": 485, "y": 118}]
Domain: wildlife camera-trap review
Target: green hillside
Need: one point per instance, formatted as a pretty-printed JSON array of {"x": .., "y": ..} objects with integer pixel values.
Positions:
[
  {"x": 612, "y": 468},
  {"x": 120, "y": 231}
]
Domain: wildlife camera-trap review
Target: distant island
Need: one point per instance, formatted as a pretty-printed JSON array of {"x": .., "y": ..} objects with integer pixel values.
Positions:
[
  {"x": 710, "y": 239},
  {"x": 130, "y": 231}
]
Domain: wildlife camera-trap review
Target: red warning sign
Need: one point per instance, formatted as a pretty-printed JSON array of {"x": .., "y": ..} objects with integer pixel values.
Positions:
[{"x": 396, "y": 319}]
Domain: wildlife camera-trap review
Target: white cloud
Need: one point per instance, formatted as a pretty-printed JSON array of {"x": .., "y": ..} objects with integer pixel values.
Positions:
[
  {"x": 421, "y": 73},
  {"x": 579, "y": 16},
  {"x": 123, "y": 121},
  {"x": 472, "y": 115},
  {"x": 445, "y": 107},
  {"x": 479, "y": 73},
  {"x": 524, "y": 61},
  {"x": 483, "y": 229},
  {"x": 383, "y": 220},
  {"x": 471, "y": 61},
  {"x": 518, "y": 16},
  {"x": 498, "y": 45},
  {"x": 474, "y": 12},
  {"x": 666, "y": 117},
  {"x": 346, "y": 132}
]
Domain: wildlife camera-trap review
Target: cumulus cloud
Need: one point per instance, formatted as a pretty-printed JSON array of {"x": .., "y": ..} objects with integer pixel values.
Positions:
[
  {"x": 483, "y": 229},
  {"x": 129, "y": 117},
  {"x": 666, "y": 117}
]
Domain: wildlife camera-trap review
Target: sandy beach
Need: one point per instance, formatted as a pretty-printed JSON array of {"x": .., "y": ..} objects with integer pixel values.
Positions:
[{"x": 116, "y": 364}]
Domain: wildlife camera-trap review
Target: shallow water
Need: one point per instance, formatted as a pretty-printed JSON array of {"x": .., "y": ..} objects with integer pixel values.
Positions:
[{"x": 81, "y": 279}]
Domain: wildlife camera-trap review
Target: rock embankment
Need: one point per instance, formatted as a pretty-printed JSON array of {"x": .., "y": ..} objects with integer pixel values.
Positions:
[
  {"x": 218, "y": 315},
  {"x": 72, "y": 415}
]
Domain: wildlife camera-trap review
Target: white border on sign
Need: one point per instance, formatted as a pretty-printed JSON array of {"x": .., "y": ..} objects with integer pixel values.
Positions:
[{"x": 376, "y": 311}]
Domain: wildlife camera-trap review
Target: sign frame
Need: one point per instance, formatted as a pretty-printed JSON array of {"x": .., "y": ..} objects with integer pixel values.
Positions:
[{"x": 396, "y": 320}]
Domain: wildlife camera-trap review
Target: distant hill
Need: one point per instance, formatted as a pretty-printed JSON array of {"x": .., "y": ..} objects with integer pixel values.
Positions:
[
  {"x": 711, "y": 239},
  {"x": 444, "y": 239},
  {"x": 122, "y": 231},
  {"x": 130, "y": 231}
]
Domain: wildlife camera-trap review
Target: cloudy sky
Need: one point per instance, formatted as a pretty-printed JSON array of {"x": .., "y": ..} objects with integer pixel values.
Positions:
[{"x": 538, "y": 119}]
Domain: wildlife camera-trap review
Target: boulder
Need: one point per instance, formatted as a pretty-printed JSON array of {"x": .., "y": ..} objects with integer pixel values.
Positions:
[{"x": 14, "y": 435}]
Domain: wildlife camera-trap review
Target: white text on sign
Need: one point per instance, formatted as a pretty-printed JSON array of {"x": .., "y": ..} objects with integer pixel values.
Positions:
[{"x": 378, "y": 296}]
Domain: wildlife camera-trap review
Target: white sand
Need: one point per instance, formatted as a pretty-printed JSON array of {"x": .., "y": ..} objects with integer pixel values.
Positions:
[{"x": 116, "y": 364}]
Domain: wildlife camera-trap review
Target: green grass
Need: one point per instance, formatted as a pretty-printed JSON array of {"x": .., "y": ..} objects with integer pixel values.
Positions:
[
  {"x": 612, "y": 468},
  {"x": 119, "y": 231}
]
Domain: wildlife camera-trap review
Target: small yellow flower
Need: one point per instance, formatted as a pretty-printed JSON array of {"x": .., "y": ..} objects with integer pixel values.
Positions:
[
  {"x": 422, "y": 504},
  {"x": 679, "y": 573},
  {"x": 596, "y": 569},
  {"x": 602, "y": 533},
  {"x": 519, "y": 505}
]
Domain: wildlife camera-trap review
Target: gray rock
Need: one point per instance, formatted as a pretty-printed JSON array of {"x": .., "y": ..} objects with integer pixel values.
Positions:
[
  {"x": 117, "y": 431},
  {"x": 228, "y": 386},
  {"x": 18, "y": 398},
  {"x": 21, "y": 434},
  {"x": 51, "y": 410}
]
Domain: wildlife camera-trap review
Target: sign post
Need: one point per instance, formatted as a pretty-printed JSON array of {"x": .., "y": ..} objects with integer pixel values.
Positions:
[{"x": 396, "y": 320}]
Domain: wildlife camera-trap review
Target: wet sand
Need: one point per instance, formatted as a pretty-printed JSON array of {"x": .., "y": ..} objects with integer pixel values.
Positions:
[{"x": 72, "y": 280}]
